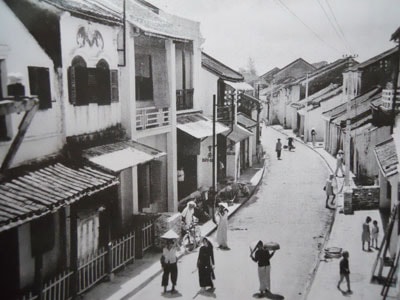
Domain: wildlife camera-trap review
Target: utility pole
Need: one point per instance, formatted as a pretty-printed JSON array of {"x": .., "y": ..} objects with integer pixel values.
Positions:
[
  {"x": 350, "y": 85},
  {"x": 214, "y": 159}
]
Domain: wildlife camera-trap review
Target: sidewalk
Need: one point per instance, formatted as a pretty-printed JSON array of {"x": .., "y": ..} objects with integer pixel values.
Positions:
[
  {"x": 345, "y": 233},
  {"x": 136, "y": 276}
]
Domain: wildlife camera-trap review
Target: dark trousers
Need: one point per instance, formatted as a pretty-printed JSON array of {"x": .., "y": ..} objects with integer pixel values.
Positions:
[
  {"x": 169, "y": 269},
  {"x": 278, "y": 153}
]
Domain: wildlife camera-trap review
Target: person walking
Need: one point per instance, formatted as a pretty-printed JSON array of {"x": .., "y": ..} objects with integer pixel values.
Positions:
[
  {"x": 366, "y": 234},
  {"x": 339, "y": 162},
  {"x": 259, "y": 151},
  {"x": 205, "y": 265},
  {"x": 278, "y": 148},
  {"x": 329, "y": 191},
  {"x": 374, "y": 234},
  {"x": 262, "y": 257},
  {"x": 290, "y": 143},
  {"x": 169, "y": 264},
  {"x": 313, "y": 134},
  {"x": 222, "y": 230},
  {"x": 344, "y": 271}
]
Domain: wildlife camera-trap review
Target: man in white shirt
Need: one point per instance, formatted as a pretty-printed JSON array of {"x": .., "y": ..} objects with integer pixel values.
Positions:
[{"x": 169, "y": 265}]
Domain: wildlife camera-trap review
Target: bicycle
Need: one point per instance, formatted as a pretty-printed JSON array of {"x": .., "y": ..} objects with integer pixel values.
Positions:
[{"x": 192, "y": 237}]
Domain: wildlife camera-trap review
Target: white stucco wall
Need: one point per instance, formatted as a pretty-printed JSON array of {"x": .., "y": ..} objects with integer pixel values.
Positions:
[
  {"x": 204, "y": 163},
  {"x": 44, "y": 135},
  {"x": 91, "y": 117},
  {"x": 208, "y": 88}
]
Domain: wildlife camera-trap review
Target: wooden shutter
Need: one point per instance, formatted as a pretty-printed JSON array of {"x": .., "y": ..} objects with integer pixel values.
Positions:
[
  {"x": 39, "y": 82},
  {"x": 72, "y": 85},
  {"x": 93, "y": 86},
  {"x": 114, "y": 86},
  {"x": 103, "y": 86}
]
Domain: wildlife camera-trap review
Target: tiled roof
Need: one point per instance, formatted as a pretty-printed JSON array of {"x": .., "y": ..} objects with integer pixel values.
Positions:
[
  {"x": 41, "y": 192},
  {"x": 386, "y": 157},
  {"x": 88, "y": 8},
  {"x": 237, "y": 134},
  {"x": 270, "y": 73},
  {"x": 198, "y": 125},
  {"x": 360, "y": 109},
  {"x": 324, "y": 92},
  {"x": 219, "y": 68},
  {"x": 355, "y": 102},
  {"x": 374, "y": 59}
]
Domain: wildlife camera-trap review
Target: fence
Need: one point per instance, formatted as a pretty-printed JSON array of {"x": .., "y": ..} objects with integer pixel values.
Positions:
[
  {"x": 91, "y": 269},
  {"x": 122, "y": 251},
  {"x": 150, "y": 117},
  {"x": 147, "y": 235}
]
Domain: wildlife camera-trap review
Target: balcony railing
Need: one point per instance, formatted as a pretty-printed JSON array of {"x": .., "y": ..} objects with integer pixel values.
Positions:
[
  {"x": 184, "y": 99},
  {"x": 387, "y": 98},
  {"x": 151, "y": 117}
]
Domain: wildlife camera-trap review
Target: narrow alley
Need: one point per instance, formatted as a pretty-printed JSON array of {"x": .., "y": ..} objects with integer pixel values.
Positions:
[{"x": 294, "y": 216}]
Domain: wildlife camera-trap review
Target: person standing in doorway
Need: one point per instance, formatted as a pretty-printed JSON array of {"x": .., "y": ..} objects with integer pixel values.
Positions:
[
  {"x": 222, "y": 230},
  {"x": 262, "y": 257},
  {"x": 339, "y": 163},
  {"x": 313, "y": 134},
  {"x": 329, "y": 191},
  {"x": 278, "y": 148},
  {"x": 205, "y": 265},
  {"x": 169, "y": 265},
  {"x": 344, "y": 271}
]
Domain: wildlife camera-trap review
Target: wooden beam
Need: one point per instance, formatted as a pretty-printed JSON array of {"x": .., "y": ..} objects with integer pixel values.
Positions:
[
  {"x": 10, "y": 105},
  {"x": 23, "y": 127}
]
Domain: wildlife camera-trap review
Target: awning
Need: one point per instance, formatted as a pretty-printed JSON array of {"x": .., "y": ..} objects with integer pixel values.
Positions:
[
  {"x": 245, "y": 121},
  {"x": 239, "y": 86},
  {"x": 122, "y": 155},
  {"x": 237, "y": 134},
  {"x": 44, "y": 191},
  {"x": 386, "y": 157},
  {"x": 199, "y": 126}
]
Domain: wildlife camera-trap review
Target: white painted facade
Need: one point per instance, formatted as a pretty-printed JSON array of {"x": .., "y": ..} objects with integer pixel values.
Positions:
[{"x": 44, "y": 135}]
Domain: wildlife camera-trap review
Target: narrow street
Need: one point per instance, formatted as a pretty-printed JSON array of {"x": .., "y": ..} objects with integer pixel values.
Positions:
[{"x": 288, "y": 208}]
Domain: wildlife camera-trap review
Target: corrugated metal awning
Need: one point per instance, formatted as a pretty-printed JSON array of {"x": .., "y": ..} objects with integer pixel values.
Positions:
[
  {"x": 239, "y": 86},
  {"x": 386, "y": 157},
  {"x": 199, "y": 126},
  {"x": 245, "y": 121},
  {"x": 237, "y": 134},
  {"x": 122, "y": 155},
  {"x": 43, "y": 191}
]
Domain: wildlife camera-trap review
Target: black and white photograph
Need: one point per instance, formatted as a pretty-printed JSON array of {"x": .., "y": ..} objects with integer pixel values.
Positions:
[{"x": 199, "y": 149}]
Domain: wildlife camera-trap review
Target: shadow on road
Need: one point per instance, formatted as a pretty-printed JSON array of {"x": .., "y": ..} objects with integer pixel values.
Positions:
[
  {"x": 269, "y": 295},
  {"x": 175, "y": 294}
]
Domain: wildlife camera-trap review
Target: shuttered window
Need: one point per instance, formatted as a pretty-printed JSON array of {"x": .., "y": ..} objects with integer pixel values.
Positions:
[
  {"x": 144, "y": 78},
  {"x": 92, "y": 85},
  {"x": 39, "y": 83}
]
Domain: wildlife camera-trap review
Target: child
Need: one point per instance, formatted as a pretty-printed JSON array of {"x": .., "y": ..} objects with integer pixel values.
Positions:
[
  {"x": 374, "y": 234},
  {"x": 366, "y": 234},
  {"x": 345, "y": 271}
]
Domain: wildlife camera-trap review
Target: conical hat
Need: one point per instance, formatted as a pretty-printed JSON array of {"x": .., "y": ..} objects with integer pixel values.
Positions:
[{"x": 170, "y": 235}]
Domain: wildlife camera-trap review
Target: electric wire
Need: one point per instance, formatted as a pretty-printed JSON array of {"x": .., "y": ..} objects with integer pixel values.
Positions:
[
  {"x": 308, "y": 27},
  {"x": 333, "y": 25},
  {"x": 339, "y": 27}
]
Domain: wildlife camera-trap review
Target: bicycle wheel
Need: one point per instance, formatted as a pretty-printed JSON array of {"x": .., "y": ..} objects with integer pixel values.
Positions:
[{"x": 187, "y": 242}]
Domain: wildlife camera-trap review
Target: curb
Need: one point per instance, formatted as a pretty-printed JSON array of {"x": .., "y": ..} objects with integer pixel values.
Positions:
[
  {"x": 328, "y": 232},
  {"x": 181, "y": 254}
]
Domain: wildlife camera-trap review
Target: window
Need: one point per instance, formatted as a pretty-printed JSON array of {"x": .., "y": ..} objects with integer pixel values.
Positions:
[
  {"x": 144, "y": 78},
  {"x": 4, "y": 136},
  {"x": 39, "y": 82},
  {"x": 78, "y": 82},
  {"x": 92, "y": 85}
]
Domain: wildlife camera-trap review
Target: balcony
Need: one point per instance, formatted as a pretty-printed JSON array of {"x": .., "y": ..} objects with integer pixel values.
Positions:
[
  {"x": 152, "y": 117},
  {"x": 184, "y": 99},
  {"x": 387, "y": 99}
]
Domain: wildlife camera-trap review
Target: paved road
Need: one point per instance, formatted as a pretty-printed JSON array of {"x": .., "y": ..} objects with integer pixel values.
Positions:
[{"x": 288, "y": 208}]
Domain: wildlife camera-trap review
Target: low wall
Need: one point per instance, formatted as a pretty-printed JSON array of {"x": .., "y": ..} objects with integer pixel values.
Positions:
[
  {"x": 165, "y": 222},
  {"x": 361, "y": 198}
]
